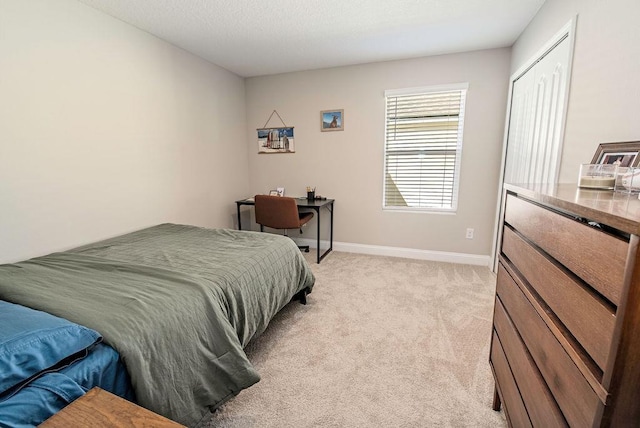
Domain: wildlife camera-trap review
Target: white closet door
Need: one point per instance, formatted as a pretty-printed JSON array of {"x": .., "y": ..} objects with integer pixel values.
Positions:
[
  {"x": 535, "y": 124},
  {"x": 534, "y": 132}
]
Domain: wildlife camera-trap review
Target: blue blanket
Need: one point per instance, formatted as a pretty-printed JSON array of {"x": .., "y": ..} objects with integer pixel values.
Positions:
[{"x": 46, "y": 362}]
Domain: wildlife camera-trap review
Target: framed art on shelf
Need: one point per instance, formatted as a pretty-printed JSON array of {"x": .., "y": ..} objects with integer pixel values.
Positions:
[
  {"x": 623, "y": 154},
  {"x": 332, "y": 120}
]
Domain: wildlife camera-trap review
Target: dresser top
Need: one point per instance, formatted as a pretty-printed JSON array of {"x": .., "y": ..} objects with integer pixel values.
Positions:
[{"x": 617, "y": 210}]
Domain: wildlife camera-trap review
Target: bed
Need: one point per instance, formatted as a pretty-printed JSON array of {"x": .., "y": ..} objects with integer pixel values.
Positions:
[{"x": 178, "y": 303}]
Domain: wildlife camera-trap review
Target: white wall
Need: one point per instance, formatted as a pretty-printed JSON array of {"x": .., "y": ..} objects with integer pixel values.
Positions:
[
  {"x": 105, "y": 129},
  {"x": 604, "y": 99},
  {"x": 348, "y": 165}
]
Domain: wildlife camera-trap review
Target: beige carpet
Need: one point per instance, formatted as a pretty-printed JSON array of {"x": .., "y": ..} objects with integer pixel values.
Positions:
[{"x": 382, "y": 342}]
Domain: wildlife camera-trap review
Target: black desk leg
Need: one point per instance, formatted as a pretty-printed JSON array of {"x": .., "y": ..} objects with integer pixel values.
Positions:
[
  {"x": 320, "y": 257},
  {"x": 239, "y": 223},
  {"x": 318, "y": 237},
  {"x": 331, "y": 233}
]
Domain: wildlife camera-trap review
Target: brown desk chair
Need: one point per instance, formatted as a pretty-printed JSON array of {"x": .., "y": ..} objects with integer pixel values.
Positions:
[{"x": 279, "y": 212}]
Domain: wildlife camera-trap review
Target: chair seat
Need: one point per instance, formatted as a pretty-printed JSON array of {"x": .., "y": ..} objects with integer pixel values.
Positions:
[{"x": 305, "y": 217}]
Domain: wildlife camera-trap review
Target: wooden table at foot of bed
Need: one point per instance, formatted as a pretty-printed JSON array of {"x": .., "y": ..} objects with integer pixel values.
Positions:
[{"x": 99, "y": 408}]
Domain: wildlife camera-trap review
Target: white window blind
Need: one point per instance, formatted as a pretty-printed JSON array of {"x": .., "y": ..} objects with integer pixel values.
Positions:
[{"x": 423, "y": 146}]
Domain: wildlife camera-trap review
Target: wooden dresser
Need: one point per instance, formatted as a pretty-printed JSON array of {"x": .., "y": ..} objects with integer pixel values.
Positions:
[{"x": 565, "y": 349}]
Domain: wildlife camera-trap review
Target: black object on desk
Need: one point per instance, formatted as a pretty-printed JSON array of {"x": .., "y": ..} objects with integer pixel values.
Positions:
[{"x": 315, "y": 205}]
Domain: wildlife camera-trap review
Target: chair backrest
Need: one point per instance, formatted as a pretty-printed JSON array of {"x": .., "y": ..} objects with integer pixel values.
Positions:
[{"x": 277, "y": 212}]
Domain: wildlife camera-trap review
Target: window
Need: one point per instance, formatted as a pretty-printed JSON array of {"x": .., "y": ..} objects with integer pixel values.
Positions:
[{"x": 423, "y": 145}]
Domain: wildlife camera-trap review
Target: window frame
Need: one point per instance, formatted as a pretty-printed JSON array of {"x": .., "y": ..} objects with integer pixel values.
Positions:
[{"x": 463, "y": 88}]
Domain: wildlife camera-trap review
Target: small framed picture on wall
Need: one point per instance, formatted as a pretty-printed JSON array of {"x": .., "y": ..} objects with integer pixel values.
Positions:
[
  {"x": 276, "y": 140},
  {"x": 332, "y": 120}
]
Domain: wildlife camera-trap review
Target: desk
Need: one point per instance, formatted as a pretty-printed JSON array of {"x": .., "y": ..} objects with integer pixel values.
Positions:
[{"x": 315, "y": 205}]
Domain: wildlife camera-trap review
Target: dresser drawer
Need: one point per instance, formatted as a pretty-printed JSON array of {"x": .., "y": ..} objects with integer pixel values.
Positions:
[
  {"x": 596, "y": 257},
  {"x": 570, "y": 389},
  {"x": 583, "y": 314},
  {"x": 514, "y": 407},
  {"x": 539, "y": 402}
]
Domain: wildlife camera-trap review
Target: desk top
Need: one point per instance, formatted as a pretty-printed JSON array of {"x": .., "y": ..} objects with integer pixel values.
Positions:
[{"x": 301, "y": 201}]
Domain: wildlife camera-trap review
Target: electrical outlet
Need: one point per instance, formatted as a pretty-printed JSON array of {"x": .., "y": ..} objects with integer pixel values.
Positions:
[{"x": 469, "y": 233}]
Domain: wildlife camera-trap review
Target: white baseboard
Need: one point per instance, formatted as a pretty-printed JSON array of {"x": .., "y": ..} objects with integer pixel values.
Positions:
[{"x": 408, "y": 253}]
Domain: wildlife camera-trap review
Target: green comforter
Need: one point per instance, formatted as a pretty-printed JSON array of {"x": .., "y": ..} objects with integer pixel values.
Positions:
[{"x": 179, "y": 303}]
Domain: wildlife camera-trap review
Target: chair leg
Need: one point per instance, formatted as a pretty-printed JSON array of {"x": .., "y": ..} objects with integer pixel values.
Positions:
[
  {"x": 303, "y": 247},
  {"x": 261, "y": 228}
]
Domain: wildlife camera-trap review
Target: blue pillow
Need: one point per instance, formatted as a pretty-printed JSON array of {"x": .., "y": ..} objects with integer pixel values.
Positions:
[{"x": 33, "y": 341}]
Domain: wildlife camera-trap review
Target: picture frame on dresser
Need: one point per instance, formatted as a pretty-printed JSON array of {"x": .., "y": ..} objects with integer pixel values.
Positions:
[{"x": 624, "y": 154}]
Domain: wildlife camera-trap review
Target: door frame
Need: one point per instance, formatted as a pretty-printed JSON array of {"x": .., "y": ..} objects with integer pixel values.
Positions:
[{"x": 568, "y": 31}]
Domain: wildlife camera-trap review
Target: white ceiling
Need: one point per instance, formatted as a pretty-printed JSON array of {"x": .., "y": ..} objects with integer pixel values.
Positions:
[{"x": 253, "y": 37}]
